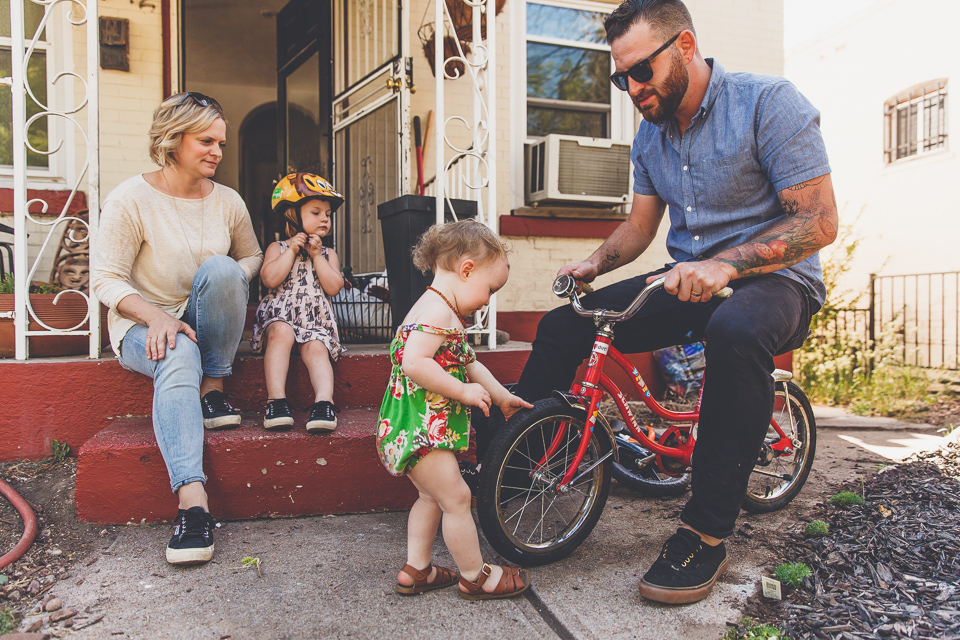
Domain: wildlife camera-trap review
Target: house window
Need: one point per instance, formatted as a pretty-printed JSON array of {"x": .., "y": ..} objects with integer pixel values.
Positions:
[
  {"x": 37, "y": 134},
  {"x": 568, "y": 71},
  {"x": 915, "y": 121}
]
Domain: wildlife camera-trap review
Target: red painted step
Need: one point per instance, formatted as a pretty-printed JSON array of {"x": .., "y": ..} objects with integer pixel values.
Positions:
[
  {"x": 71, "y": 399},
  {"x": 251, "y": 472}
]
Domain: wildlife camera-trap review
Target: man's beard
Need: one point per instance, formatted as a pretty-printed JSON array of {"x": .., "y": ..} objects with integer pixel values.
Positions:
[{"x": 670, "y": 93}]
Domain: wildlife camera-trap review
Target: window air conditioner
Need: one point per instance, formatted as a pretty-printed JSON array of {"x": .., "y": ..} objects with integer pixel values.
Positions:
[{"x": 574, "y": 169}]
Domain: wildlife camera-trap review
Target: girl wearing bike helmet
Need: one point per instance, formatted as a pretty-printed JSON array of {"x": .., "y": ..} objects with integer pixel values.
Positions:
[{"x": 301, "y": 273}]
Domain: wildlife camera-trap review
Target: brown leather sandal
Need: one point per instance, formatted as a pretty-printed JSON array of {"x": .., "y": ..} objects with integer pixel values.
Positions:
[
  {"x": 444, "y": 578},
  {"x": 512, "y": 583}
]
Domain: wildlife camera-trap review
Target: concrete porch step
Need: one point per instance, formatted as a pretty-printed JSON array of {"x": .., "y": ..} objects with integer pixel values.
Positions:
[{"x": 252, "y": 472}]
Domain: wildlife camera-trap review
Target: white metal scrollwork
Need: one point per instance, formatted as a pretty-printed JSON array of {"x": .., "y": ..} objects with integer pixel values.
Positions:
[
  {"x": 479, "y": 157},
  {"x": 21, "y": 51}
]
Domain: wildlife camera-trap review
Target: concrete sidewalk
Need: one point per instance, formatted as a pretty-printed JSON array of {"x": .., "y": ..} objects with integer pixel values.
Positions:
[{"x": 334, "y": 576}]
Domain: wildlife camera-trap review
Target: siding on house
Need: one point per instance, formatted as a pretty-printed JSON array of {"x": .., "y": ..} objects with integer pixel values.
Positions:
[{"x": 905, "y": 212}]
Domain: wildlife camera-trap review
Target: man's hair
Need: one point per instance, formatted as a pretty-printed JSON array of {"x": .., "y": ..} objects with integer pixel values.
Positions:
[
  {"x": 174, "y": 117},
  {"x": 444, "y": 245},
  {"x": 666, "y": 18}
]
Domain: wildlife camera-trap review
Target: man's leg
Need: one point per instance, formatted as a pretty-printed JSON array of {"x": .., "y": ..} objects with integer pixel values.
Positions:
[{"x": 764, "y": 317}]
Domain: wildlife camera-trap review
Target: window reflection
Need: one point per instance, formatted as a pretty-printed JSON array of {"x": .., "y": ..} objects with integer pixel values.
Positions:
[
  {"x": 568, "y": 24},
  {"x": 568, "y": 73}
]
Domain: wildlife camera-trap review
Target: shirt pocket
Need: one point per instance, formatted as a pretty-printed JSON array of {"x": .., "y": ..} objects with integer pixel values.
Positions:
[{"x": 728, "y": 181}]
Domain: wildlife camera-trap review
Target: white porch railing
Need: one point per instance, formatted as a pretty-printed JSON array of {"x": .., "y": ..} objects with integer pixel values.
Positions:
[
  {"x": 475, "y": 174},
  {"x": 22, "y": 48}
]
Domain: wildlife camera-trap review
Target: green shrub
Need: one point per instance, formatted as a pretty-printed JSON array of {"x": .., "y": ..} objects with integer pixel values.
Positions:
[
  {"x": 845, "y": 499},
  {"x": 750, "y": 629},
  {"x": 816, "y": 528},
  {"x": 7, "y": 284},
  {"x": 60, "y": 450},
  {"x": 792, "y": 573},
  {"x": 9, "y": 621},
  {"x": 835, "y": 367}
]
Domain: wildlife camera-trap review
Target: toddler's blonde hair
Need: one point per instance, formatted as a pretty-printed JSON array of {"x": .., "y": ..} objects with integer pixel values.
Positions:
[{"x": 444, "y": 245}]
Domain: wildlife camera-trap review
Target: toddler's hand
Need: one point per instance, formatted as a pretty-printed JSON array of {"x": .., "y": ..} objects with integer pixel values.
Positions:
[
  {"x": 513, "y": 404},
  {"x": 475, "y": 395},
  {"x": 314, "y": 245},
  {"x": 296, "y": 242}
]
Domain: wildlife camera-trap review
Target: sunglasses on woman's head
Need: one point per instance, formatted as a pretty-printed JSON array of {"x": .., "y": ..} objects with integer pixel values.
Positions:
[
  {"x": 641, "y": 72},
  {"x": 201, "y": 99}
]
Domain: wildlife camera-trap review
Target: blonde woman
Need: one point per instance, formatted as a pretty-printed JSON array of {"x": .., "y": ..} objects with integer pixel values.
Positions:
[{"x": 174, "y": 257}]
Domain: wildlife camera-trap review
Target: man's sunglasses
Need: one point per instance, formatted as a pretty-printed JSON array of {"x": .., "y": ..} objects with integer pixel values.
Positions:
[
  {"x": 641, "y": 72},
  {"x": 204, "y": 100}
]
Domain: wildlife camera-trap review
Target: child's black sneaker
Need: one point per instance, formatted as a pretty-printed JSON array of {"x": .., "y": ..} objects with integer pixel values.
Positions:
[
  {"x": 685, "y": 571},
  {"x": 470, "y": 475},
  {"x": 323, "y": 416},
  {"x": 192, "y": 541},
  {"x": 279, "y": 414},
  {"x": 217, "y": 412}
]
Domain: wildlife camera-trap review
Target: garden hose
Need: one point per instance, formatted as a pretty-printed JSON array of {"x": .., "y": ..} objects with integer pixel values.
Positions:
[{"x": 29, "y": 524}]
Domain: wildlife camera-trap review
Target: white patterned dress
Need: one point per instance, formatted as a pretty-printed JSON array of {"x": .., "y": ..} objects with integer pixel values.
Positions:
[{"x": 300, "y": 302}]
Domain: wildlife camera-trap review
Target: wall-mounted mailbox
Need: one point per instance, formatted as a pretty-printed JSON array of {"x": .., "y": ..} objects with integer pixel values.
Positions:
[{"x": 115, "y": 44}]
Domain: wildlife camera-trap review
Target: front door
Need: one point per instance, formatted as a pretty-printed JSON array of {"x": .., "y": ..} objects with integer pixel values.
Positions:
[{"x": 371, "y": 105}]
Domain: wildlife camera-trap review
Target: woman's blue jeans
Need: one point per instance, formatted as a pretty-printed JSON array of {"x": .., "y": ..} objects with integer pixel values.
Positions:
[{"x": 216, "y": 310}]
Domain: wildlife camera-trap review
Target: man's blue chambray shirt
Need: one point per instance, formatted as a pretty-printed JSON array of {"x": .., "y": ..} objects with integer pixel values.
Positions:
[{"x": 754, "y": 135}]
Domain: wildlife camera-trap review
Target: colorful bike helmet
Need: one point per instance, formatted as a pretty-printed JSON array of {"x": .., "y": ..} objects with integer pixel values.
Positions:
[{"x": 297, "y": 187}]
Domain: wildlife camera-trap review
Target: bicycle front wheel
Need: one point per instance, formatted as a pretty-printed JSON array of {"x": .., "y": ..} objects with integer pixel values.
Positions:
[
  {"x": 777, "y": 478},
  {"x": 521, "y": 512}
]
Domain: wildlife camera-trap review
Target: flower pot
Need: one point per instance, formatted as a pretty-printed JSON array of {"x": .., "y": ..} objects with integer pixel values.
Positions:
[{"x": 69, "y": 311}]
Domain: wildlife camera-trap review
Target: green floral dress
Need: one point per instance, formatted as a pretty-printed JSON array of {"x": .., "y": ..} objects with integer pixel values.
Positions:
[{"x": 414, "y": 421}]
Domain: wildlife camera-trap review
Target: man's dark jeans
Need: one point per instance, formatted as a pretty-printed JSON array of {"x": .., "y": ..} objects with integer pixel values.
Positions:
[{"x": 767, "y": 315}]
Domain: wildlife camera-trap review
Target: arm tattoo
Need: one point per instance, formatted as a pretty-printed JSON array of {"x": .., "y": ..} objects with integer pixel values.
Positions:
[
  {"x": 610, "y": 262},
  {"x": 807, "y": 225}
]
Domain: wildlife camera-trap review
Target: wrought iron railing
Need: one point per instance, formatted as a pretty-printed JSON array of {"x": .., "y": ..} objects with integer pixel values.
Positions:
[
  {"x": 918, "y": 313},
  {"x": 23, "y": 46}
]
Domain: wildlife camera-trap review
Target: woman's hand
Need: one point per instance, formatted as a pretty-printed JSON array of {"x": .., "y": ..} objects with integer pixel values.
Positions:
[
  {"x": 297, "y": 242},
  {"x": 475, "y": 395},
  {"x": 162, "y": 333},
  {"x": 511, "y": 404},
  {"x": 314, "y": 245}
]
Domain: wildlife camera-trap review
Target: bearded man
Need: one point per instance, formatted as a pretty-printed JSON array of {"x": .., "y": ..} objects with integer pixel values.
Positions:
[{"x": 739, "y": 160}]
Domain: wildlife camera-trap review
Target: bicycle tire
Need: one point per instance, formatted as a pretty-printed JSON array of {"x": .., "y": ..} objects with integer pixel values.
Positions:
[
  {"x": 523, "y": 518},
  {"x": 766, "y": 493},
  {"x": 648, "y": 480}
]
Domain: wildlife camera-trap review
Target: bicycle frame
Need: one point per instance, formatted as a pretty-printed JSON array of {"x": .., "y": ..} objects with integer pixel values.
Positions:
[{"x": 595, "y": 382}]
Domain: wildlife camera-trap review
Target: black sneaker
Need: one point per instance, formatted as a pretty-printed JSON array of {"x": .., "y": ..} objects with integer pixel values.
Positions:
[
  {"x": 279, "y": 414},
  {"x": 685, "y": 571},
  {"x": 470, "y": 475},
  {"x": 323, "y": 416},
  {"x": 217, "y": 412},
  {"x": 192, "y": 541}
]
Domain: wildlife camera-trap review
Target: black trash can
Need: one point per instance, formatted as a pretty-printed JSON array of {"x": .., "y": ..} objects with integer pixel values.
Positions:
[{"x": 402, "y": 221}]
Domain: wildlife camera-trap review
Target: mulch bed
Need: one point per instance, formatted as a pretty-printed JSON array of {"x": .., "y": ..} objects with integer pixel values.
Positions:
[{"x": 889, "y": 568}]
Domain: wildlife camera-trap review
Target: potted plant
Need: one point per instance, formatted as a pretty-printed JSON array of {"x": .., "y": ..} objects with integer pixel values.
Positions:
[{"x": 67, "y": 313}]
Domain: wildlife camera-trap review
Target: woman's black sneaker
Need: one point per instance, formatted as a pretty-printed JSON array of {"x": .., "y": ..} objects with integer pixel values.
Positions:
[
  {"x": 279, "y": 414},
  {"x": 685, "y": 571},
  {"x": 323, "y": 416},
  {"x": 217, "y": 412},
  {"x": 192, "y": 541}
]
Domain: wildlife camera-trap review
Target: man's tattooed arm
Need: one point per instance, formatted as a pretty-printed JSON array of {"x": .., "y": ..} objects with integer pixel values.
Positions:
[
  {"x": 809, "y": 223},
  {"x": 609, "y": 263}
]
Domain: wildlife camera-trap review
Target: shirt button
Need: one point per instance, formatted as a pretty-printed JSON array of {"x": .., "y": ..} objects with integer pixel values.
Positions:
[
  {"x": 689, "y": 208},
  {"x": 696, "y": 237},
  {"x": 684, "y": 167}
]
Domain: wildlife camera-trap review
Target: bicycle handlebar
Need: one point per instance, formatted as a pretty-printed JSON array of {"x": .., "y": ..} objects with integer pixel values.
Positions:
[{"x": 565, "y": 286}]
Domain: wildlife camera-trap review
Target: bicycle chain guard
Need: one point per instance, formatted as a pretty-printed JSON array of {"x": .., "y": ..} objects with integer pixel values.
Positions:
[{"x": 673, "y": 437}]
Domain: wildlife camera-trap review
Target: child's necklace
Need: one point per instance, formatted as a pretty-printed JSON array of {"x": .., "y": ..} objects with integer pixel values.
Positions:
[{"x": 449, "y": 304}]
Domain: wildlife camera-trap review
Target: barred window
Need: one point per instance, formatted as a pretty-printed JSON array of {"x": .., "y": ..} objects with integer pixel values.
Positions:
[
  {"x": 915, "y": 121},
  {"x": 37, "y": 75}
]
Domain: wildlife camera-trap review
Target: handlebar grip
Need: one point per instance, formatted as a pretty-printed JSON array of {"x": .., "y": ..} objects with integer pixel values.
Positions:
[
  {"x": 726, "y": 292},
  {"x": 565, "y": 286}
]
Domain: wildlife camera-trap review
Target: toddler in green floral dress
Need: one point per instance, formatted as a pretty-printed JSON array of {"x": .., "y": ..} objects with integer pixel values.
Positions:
[{"x": 425, "y": 418}]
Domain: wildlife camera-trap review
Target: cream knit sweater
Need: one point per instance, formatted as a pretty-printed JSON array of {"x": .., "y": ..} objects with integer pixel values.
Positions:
[{"x": 152, "y": 244}]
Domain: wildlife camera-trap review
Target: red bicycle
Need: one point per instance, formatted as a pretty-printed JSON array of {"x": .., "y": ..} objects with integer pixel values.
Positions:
[{"x": 545, "y": 479}]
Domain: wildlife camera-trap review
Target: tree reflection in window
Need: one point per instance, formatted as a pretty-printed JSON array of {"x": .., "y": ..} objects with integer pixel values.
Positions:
[{"x": 563, "y": 67}]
